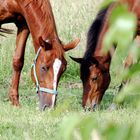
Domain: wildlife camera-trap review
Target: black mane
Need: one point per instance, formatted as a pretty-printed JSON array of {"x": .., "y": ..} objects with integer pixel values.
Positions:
[
  {"x": 92, "y": 40},
  {"x": 94, "y": 32}
]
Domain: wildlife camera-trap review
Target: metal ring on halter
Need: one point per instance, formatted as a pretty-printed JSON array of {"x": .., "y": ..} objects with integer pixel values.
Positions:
[{"x": 38, "y": 88}]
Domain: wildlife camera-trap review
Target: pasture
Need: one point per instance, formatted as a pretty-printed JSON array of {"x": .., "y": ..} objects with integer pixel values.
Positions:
[{"x": 68, "y": 120}]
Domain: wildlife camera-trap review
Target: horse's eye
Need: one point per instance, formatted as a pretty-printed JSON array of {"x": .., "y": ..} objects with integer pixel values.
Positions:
[
  {"x": 44, "y": 68},
  {"x": 95, "y": 78}
]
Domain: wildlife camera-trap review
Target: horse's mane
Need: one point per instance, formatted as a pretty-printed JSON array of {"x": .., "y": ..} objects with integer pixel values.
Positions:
[
  {"x": 92, "y": 39},
  {"x": 94, "y": 32}
]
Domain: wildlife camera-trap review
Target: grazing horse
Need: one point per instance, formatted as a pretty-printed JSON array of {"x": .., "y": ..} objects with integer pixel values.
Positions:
[
  {"x": 36, "y": 17},
  {"x": 95, "y": 65}
]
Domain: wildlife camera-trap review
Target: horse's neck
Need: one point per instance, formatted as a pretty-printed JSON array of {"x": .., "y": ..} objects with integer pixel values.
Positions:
[
  {"x": 40, "y": 19},
  {"x": 99, "y": 51},
  {"x": 130, "y": 2}
]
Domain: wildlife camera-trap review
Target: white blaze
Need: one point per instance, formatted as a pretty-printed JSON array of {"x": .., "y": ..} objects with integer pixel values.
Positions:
[{"x": 56, "y": 67}]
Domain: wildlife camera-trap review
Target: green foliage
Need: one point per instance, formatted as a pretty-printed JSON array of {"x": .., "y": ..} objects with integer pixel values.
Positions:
[
  {"x": 121, "y": 28},
  {"x": 80, "y": 128},
  {"x": 121, "y": 32}
]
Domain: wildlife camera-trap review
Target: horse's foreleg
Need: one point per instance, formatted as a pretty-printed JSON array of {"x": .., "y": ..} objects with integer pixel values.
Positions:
[{"x": 18, "y": 61}]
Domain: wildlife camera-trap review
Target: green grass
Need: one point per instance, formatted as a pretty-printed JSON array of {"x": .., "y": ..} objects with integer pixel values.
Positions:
[
  {"x": 27, "y": 122},
  {"x": 73, "y": 19}
]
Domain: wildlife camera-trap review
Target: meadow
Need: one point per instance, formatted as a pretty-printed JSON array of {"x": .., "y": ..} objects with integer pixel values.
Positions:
[{"x": 68, "y": 120}]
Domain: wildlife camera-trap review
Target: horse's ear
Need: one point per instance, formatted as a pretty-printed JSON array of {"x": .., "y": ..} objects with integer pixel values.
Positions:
[
  {"x": 45, "y": 44},
  {"x": 71, "y": 45},
  {"x": 78, "y": 60}
]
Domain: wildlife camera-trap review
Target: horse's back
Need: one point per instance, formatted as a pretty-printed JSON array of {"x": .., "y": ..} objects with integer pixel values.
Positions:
[
  {"x": 8, "y": 10},
  {"x": 134, "y": 7}
]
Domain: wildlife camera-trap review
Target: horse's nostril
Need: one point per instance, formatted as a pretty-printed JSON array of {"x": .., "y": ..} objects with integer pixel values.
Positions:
[{"x": 45, "y": 106}]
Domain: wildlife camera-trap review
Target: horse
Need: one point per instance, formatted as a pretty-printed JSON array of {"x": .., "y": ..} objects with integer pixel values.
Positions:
[
  {"x": 95, "y": 65},
  {"x": 36, "y": 17}
]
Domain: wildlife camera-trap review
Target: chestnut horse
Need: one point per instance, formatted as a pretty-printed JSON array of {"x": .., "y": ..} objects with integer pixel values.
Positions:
[
  {"x": 94, "y": 66},
  {"x": 36, "y": 17}
]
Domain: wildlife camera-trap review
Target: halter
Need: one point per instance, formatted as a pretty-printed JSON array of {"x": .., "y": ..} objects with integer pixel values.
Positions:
[{"x": 38, "y": 88}]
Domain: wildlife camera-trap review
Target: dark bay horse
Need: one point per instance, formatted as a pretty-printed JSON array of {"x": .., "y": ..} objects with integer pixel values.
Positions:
[
  {"x": 94, "y": 66},
  {"x": 36, "y": 17}
]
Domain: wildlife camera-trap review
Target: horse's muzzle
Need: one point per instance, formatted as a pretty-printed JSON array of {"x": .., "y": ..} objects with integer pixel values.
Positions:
[{"x": 45, "y": 101}]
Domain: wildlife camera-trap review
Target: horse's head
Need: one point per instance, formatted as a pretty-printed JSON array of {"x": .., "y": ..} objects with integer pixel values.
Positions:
[
  {"x": 47, "y": 68},
  {"x": 96, "y": 78}
]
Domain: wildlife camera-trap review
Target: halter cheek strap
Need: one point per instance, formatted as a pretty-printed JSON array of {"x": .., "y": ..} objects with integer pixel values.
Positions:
[{"x": 38, "y": 88}]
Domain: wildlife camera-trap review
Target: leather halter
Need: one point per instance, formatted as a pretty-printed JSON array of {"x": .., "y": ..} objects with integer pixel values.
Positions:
[{"x": 38, "y": 88}]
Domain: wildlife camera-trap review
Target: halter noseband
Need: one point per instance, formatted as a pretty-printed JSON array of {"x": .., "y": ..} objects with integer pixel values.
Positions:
[{"x": 38, "y": 88}]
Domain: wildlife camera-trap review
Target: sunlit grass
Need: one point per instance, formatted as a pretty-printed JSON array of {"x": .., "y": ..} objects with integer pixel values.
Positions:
[{"x": 27, "y": 122}]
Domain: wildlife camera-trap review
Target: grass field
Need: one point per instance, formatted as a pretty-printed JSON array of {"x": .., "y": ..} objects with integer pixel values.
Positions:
[{"x": 73, "y": 19}]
